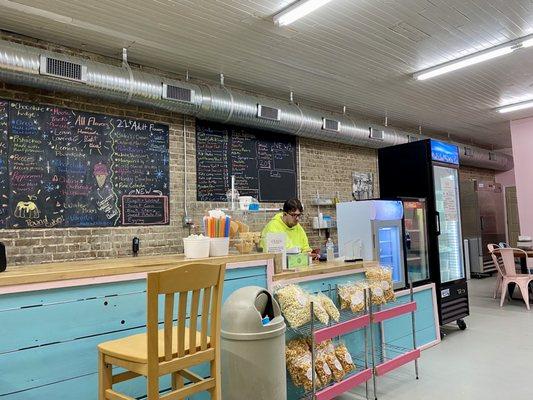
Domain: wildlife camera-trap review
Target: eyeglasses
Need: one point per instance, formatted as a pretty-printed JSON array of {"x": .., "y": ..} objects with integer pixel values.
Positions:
[{"x": 295, "y": 215}]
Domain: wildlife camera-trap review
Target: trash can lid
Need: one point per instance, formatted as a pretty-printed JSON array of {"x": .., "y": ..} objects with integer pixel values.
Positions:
[{"x": 244, "y": 312}]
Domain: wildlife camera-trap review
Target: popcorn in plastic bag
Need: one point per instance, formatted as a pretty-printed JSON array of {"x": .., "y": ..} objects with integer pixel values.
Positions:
[
  {"x": 295, "y": 305},
  {"x": 326, "y": 349},
  {"x": 382, "y": 277},
  {"x": 344, "y": 357},
  {"x": 300, "y": 370},
  {"x": 345, "y": 293},
  {"x": 378, "y": 295},
  {"x": 353, "y": 295},
  {"x": 322, "y": 370},
  {"x": 329, "y": 306},
  {"x": 318, "y": 309},
  {"x": 298, "y": 357}
]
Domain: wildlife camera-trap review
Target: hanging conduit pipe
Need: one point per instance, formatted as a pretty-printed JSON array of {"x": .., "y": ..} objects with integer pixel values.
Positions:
[{"x": 25, "y": 65}]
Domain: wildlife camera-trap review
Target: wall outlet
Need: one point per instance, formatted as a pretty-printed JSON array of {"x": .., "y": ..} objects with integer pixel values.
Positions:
[{"x": 187, "y": 221}]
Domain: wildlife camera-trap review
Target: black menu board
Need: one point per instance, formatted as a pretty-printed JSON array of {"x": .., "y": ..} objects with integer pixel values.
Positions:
[
  {"x": 69, "y": 168},
  {"x": 263, "y": 163},
  {"x": 4, "y": 173}
]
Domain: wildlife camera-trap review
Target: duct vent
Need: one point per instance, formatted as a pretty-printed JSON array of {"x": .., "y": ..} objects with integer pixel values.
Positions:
[
  {"x": 331, "y": 125},
  {"x": 177, "y": 93},
  {"x": 375, "y": 134},
  {"x": 268, "y": 112},
  {"x": 469, "y": 152},
  {"x": 63, "y": 69}
]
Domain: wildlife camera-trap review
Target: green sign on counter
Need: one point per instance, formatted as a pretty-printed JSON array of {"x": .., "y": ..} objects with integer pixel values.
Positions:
[{"x": 297, "y": 260}]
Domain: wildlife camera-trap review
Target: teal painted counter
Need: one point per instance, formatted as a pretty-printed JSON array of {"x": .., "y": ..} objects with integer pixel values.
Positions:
[{"x": 49, "y": 337}]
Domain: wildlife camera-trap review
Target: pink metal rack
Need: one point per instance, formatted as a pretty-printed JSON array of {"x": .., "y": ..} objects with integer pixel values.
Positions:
[{"x": 384, "y": 358}]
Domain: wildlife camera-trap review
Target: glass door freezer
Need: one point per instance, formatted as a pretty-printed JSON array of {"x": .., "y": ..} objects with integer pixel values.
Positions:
[
  {"x": 429, "y": 169},
  {"x": 372, "y": 230},
  {"x": 416, "y": 248}
]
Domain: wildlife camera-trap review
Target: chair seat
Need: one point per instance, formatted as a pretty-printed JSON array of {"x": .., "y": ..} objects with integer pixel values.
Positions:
[
  {"x": 135, "y": 347},
  {"x": 519, "y": 277}
]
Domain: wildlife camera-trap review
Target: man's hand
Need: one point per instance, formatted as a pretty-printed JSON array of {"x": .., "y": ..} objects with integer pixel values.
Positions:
[{"x": 315, "y": 254}]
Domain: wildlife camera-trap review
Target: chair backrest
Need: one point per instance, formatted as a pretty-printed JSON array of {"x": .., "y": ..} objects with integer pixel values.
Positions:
[
  {"x": 497, "y": 259},
  {"x": 202, "y": 283},
  {"x": 492, "y": 246},
  {"x": 508, "y": 255}
]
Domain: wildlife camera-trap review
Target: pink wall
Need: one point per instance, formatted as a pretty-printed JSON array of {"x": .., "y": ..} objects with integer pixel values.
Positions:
[
  {"x": 522, "y": 138},
  {"x": 506, "y": 178}
]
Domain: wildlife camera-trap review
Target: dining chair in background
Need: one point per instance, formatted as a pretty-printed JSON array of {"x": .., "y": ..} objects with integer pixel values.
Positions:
[
  {"x": 507, "y": 269},
  {"x": 496, "y": 260}
]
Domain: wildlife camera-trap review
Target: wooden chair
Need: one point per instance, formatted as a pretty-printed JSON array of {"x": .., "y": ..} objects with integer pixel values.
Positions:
[{"x": 175, "y": 348}]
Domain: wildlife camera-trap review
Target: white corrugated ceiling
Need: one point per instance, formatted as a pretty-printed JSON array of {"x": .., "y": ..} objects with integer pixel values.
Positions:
[{"x": 358, "y": 53}]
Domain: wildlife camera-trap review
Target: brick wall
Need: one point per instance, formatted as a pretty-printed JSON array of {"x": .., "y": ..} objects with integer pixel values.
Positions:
[
  {"x": 326, "y": 167},
  {"x": 473, "y": 173}
]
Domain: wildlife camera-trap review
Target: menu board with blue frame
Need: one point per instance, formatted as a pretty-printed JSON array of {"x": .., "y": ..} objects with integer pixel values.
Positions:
[{"x": 444, "y": 152}]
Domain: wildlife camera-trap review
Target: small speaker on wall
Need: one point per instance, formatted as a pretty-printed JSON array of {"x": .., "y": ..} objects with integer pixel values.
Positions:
[
  {"x": 135, "y": 244},
  {"x": 3, "y": 259}
]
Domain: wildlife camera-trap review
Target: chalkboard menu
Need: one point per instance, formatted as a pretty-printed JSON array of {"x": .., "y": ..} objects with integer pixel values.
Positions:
[
  {"x": 4, "y": 173},
  {"x": 66, "y": 168},
  {"x": 263, "y": 163}
]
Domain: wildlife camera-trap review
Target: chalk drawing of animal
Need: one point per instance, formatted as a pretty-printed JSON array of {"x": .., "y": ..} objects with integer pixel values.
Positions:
[{"x": 27, "y": 209}]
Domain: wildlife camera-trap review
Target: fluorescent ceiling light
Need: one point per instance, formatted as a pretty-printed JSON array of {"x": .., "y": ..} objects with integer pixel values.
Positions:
[
  {"x": 298, "y": 10},
  {"x": 475, "y": 58},
  {"x": 462, "y": 62},
  {"x": 527, "y": 43},
  {"x": 516, "y": 107}
]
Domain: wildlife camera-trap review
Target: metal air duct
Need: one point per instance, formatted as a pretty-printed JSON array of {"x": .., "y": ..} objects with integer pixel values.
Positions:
[{"x": 22, "y": 65}]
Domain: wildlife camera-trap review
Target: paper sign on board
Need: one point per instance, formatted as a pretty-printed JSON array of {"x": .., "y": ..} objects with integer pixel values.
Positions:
[{"x": 275, "y": 243}]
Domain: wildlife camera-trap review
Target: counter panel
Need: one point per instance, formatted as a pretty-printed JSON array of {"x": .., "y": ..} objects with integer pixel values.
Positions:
[{"x": 50, "y": 336}]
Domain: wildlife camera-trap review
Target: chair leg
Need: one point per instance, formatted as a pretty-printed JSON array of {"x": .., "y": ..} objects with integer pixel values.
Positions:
[
  {"x": 216, "y": 392},
  {"x": 177, "y": 381},
  {"x": 104, "y": 377},
  {"x": 504, "y": 292},
  {"x": 498, "y": 285},
  {"x": 525, "y": 293},
  {"x": 152, "y": 387}
]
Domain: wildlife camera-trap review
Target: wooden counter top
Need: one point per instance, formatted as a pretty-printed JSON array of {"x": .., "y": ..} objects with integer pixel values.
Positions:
[
  {"x": 39, "y": 273},
  {"x": 323, "y": 268}
]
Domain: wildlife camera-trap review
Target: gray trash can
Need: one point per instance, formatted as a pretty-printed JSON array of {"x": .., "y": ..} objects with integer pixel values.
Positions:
[{"x": 253, "y": 350}]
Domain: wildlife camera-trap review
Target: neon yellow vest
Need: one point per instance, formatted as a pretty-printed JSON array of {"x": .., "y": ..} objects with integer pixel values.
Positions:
[{"x": 296, "y": 236}]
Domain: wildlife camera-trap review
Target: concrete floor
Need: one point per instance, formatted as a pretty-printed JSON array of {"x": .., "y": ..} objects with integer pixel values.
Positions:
[{"x": 491, "y": 360}]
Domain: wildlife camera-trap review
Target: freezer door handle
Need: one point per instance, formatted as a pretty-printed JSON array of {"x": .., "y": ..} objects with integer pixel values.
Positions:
[
  {"x": 480, "y": 247},
  {"x": 481, "y": 222},
  {"x": 437, "y": 214}
]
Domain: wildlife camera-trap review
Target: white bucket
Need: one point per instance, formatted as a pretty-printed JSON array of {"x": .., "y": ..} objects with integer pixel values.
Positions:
[
  {"x": 219, "y": 247},
  {"x": 196, "y": 248},
  {"x": 244, "y": 202}
]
